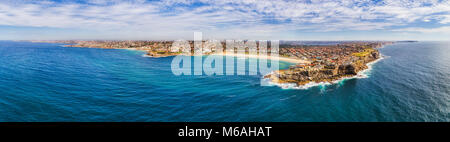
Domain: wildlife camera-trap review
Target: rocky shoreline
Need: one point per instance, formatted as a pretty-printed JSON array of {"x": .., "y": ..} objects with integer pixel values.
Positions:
[
  {"x": 327, "y": 74},
  {"x": 313, "y": 63}
]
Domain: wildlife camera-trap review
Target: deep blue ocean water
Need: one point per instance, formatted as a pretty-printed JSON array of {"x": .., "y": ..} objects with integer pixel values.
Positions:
[{"x": 47, "y": 82}]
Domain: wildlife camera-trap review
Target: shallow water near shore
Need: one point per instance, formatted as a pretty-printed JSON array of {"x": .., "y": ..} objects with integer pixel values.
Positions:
[{"x": 46, "y": 82}]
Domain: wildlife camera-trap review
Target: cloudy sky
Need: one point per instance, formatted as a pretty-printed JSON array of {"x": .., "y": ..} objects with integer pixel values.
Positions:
[{"x": 225, "y": 19}]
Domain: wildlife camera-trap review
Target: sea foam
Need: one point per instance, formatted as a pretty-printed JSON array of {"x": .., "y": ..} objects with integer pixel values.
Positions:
[{"x": 362, "y": 74}]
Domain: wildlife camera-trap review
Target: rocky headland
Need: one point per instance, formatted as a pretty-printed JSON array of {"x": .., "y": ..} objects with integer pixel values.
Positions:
[
  {"x": 325, "y": 73},
  {"x": 328, "y": 63},
  {"x": 313, "y": 63}
]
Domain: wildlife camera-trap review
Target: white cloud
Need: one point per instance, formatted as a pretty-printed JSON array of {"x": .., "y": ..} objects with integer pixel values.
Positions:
[
  {"x": 444, "y": 30},
  {"x": 237, "y": 18}
]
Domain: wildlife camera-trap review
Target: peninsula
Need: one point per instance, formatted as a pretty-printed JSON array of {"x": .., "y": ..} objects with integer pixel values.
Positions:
[
  {"x": 328, "y": 63},
  {"x": 313, "y": 63}
]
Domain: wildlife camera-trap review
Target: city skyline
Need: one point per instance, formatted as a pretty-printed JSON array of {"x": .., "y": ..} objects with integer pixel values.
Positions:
[{"x": 234, "y": 19}]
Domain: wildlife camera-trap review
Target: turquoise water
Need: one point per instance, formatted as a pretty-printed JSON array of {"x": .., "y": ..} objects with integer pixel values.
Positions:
[{"x": 46, "y": 82}]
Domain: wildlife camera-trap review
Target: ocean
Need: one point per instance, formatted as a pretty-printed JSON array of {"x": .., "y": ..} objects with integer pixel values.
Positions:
[{"x": 44, "y": 82}]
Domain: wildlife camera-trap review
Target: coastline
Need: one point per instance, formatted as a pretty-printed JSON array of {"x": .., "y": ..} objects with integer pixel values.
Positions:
[
  {"x": 359, "y": 75},
  {"x": 291, "y": 60}
]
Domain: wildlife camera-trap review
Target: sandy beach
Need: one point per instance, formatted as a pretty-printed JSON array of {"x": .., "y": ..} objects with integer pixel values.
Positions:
[{"x": 291, "y": 60}]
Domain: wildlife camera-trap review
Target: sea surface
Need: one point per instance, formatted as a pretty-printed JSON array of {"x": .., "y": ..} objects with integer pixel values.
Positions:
[{"x": 47, "y": 82}]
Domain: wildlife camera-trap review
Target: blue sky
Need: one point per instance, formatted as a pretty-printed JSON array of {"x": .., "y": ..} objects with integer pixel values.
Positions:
[{"x": 226, "y": 19}]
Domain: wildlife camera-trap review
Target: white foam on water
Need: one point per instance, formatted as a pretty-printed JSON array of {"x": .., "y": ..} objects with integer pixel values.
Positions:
[
  {"x": 362, "y": 74},
  {"x": 294, "y": 85},
  {"x": 145, "y": 55}
]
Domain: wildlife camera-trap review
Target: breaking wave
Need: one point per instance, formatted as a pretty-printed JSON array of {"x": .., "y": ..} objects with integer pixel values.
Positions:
[{"x": 362, "y": 74}]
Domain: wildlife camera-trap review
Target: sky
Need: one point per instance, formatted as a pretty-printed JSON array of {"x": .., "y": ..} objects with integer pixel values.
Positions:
[{"x": 225, "y": 19}]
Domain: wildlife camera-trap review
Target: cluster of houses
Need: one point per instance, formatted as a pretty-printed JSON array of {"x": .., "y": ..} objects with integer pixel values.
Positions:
[
  {"x": 327, "y": 56},
  {"x": 319, "y": 56}
]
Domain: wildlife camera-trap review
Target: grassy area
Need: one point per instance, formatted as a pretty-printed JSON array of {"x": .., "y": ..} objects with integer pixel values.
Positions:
[
  {"x": 366, "y": 52},
  {"x": 285, "y": 55}
]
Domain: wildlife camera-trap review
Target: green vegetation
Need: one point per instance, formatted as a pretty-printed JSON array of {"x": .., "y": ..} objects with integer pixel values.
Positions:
[
  {"x": 285, "y": 55},
  {"x": 366, "y": 52}
]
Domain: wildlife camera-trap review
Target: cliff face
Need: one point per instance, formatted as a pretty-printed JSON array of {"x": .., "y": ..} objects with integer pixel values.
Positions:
[{"x": 326, "y": 73}]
